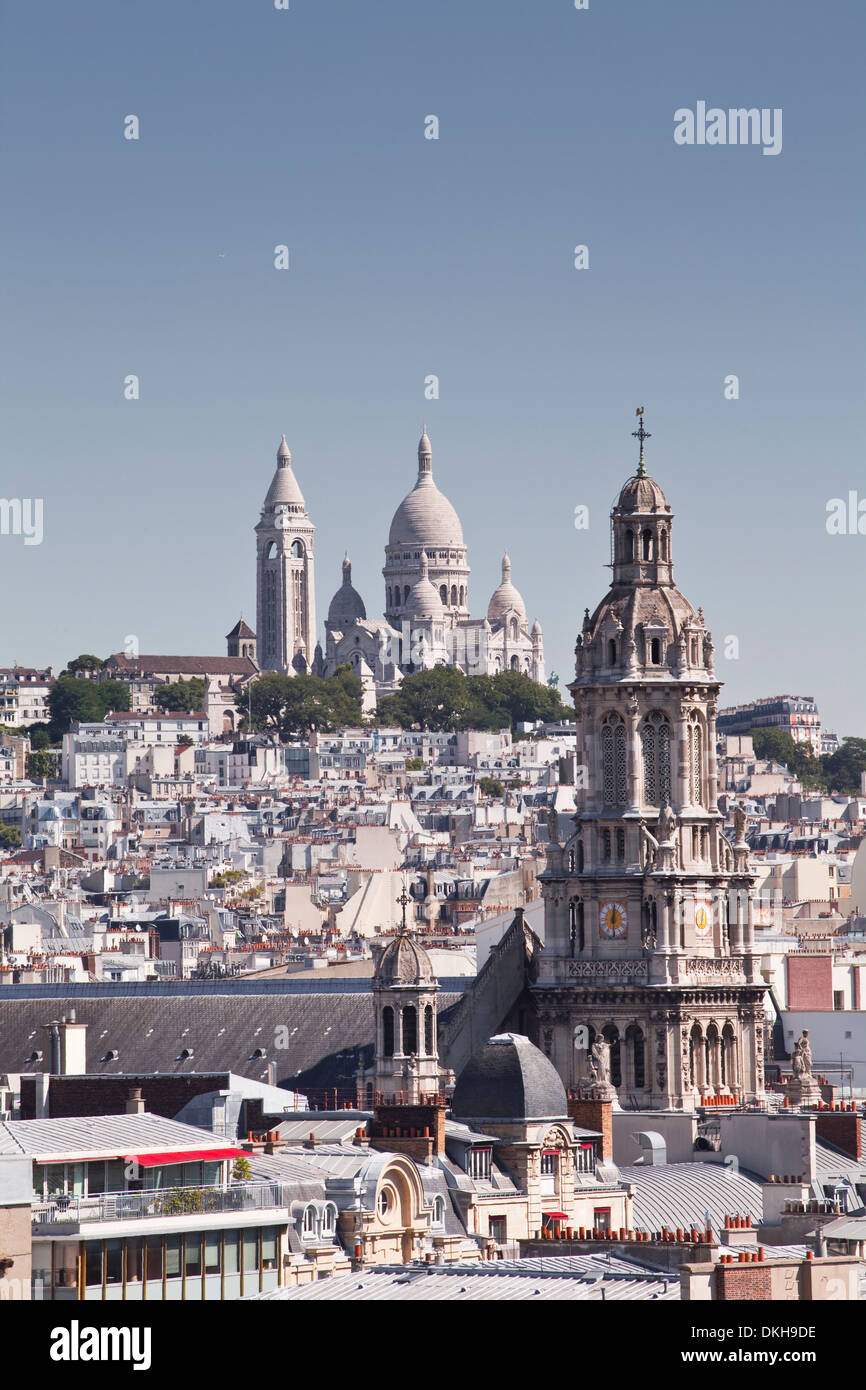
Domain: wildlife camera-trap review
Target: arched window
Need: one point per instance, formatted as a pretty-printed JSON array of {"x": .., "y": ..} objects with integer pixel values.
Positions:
[
  {"x": 611, "y": 652},
  {"x": 514, "y": 629},
  {"x": 620, "y": 844},
  {"x": 605, "y": 844},
  {"x": 646, "y": 544},
  {"x": 298, "y": 549},
  {"x": 443, "y": 593},
  {"x": 453, "y": 595},
  {"x": 611, "y": 1034},
  {"x": 515, "y": 663},
  {"x": 438, "y": 1217},
  {"x": 271, "y": 550},
  {"x": 636, "y": 1056},
  {"x": 629, "y": 545},
  {"x": 429, "y": 1041},
  {"x": 388, "y": 1031},
  {"x": 462, "y": 596},
  {"x": 655, "y": 651},
  {"x": 613, "y": 760},
  {"x": 696, "y": 1056},
  {"x": 308, "y": 1227},
  {"x": 663, "y": 544},
  {"x": 405, "y": 593},
  {"x": 729, "y": 1056},
  {"x": 656, "y": 744},
  {"x": 695, "y": 736},
  {"x": 410, "y": 1030},
  {"x": 329, "y": 1219}
]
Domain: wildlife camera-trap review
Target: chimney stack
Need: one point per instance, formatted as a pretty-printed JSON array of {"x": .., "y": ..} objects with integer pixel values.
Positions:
[{"x": 134, "y": 1102}]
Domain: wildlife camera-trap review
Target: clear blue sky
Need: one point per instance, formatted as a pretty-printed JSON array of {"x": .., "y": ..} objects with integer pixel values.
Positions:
[{"x": 409, "y": 257}]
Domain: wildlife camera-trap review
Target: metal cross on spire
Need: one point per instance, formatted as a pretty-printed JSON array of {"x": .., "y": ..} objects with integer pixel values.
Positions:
[
  {"x": 404, "y": 901},
  {"x": 641, "y": 434}
]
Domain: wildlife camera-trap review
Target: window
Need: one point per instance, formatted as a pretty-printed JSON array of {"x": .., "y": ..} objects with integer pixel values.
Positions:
[
  {"x": 383, "y": 1204},
  {"x": 695, "y": 735},
  {"x": 251, "y": 1251},
  {"x": 388, "y": 1031},
  {"x": 620, "y": 844},
  {"x": 309, "y": 1223},
  {"x": 601, "y": 1219},
  {"x": 269, "y": 1247},
  {"x": 329, "y": 1219},
  {"x": 410, "y": 1030},
  {"x": 192, "y": 1255},
  {"x": 605, "y": 844},
  {"x": 646, "y": 541},
  {"x": 611, "y": 652},
  {"x": 584, "y": 1158},
  {"x": 838, "y": 999},
  {"x": 212, "y": 1262},
  {"x": 549, "y": 1163},
  {"x": 499, "y": 1229},
  {"x": 93, "y": 1264},
  {"x": 656, "y": 744},
  {"x": 114, "y": 1262},
  {"x": 172, "y": 1257},
  {"x": 298, "y": 549},
  {"x": 232, "y": 1252},
  {"x": 134, "y": 1261},
  {"x": 655, "y": 652},
  {"x": 429, "y": 1047},
  {"x": 154, "y": 1257},
  {"x": 480, "y": 1163},
  {"x": 613, "y": 759},
  {"x": 438, "y": 1217}
]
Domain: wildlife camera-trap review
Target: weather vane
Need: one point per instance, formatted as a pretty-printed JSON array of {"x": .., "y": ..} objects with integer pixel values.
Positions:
[
  {"x": 641, "y": 434},
  {"x": 404, "y": 900}
]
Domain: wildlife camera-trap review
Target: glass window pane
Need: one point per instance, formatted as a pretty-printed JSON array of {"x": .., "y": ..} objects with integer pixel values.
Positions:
[
  {"x": 66, "y": 1265},
  {"x": 251, "y": 1250},
  {"x": 76, "y": 1174},
  {"x": 231, "y": 1247},
  {"x": 134, "y": 1261},
  {"x": 212, "y": 1174},
  {"x": 154, "y": 1257},
  {"x": 55, "y": 1179},
  {"x": 269, "y": 1247},
  {"x": 172, "y": 1257},
  {"x": 193, "y": 1255},
  {"x": 114, "y": 1262},
  {"x": 115, "y": 1179},
  {"x": 212, "y": 1254},
  {"x": 93, "y": 1264},
  {"x": 95, "y": 1178},
  {"x": 191, "y": 1175}
]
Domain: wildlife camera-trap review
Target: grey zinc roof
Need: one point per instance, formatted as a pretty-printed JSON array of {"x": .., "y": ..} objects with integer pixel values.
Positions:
[
  {"x": 111, "y": 1135},
  {"x": 485, "y": 1282},
  {"x": 508, "y": 1078},
  {"x": 680, "y": 1194},
  {"x": 328, "y": 1033}
]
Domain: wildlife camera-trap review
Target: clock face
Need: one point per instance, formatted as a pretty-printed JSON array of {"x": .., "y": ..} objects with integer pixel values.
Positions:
[
  {"x": 703, "y": 919},
  {"x": 613, "y": 920}
]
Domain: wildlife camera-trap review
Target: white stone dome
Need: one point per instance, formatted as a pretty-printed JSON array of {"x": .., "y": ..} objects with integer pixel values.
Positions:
[
  {"x": 424, "y": 600},
  {"x": 426, "y": 517},
  {"x": 506, "y": 597},
  {"x": 284, "y": 488},
  {"x": 347, "y": 606}
]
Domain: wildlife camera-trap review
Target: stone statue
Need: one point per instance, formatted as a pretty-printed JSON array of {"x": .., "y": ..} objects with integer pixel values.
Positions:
[
  {"x": 553, "y": 826},
  {"x": 801, "y": 1062},
  {"x": 667, "y": 824},
  {"x": 740, "y": 823},
  {"x": 650, "y": 845},
  {"x": 599, "y": 1061}
]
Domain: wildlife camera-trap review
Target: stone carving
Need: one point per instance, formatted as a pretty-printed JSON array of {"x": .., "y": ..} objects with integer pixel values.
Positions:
[
  {"x": 553, "y": 826},
  {"x": 801, "y": 1062},
  {"x": 649, "y": 845},
  {"x": 599, "y": 1060},
  {"x": 665, "y": 857},
  {"x": 706, "y": 968},
  {"x": 603, "y": 969},
  {"x": 740, "y": 822}
]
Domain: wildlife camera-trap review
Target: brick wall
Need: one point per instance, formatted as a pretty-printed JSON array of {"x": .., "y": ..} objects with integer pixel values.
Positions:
[
  {"x": 744, "y": 1283},
  {"x": 409, "y": 1117},
  {"x": 596, "y": 1115},
  {"x": 810, "y": 982},
  {"x": 842, "y": 1128}
]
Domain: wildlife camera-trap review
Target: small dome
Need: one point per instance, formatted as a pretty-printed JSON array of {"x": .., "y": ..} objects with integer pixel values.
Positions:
[
  {"x": 284, "y": 487},
  {"x": 536, "y": 628},
  {"x": 509, "y": 1079},
  {"x": 506, "y": 597},
  {"x": 403, "y": 962},
  {"x": 641, "y": 494},
  {"x": 424, "y": 600},
  {"x": 347, "y": 606}
]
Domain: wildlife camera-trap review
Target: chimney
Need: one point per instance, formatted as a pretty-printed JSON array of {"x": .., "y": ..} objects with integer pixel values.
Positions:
[
  {"x": 73, "y": 1046},
  {"x": 134, "y": 1102}
]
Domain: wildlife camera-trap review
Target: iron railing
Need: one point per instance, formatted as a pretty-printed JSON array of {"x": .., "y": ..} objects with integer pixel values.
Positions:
[{"x": 162, "y": 1202}]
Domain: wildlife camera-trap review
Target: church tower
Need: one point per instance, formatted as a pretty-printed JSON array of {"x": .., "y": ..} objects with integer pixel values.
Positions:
[
  {"x": 285, "y": 589},
  {"x": 649, "y": 937}
]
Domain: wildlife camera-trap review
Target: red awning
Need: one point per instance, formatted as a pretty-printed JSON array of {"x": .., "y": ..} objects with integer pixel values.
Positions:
[
  {"x": 555, "y": 1215},
  {"x": 186, "y": 1156}
]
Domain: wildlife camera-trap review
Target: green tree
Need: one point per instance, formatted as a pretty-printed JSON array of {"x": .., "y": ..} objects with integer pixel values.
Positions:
[
  {"x": 182, "y": 697},
  {"x": 113, "y": 695},
  {"x": 10, "y": 836},
  {"x": 488, "y": 786},
  {"x": 73, "y": 698},
  {"x": 439, "y": 699},
  {"x": 294, "y": 705},
  {"x": 798, "y": 758},
  {"x": 241, "y": 1170},
  {"x": 843, "y": 769},
  {"x": 40, "y": 764},
  {"x": 85, "y": 662},
  {"x": 40, "y": 736},
  {"x": 414, "y": 764}
]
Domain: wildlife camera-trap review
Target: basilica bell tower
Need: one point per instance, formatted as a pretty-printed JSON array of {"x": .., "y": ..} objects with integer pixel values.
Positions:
[
  {"x": 649, "y": 933},
  {"x": 285, "y": 576}
]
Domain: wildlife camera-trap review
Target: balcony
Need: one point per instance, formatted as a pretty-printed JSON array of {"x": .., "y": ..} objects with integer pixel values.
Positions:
[{"x": 168, "y": 1201}]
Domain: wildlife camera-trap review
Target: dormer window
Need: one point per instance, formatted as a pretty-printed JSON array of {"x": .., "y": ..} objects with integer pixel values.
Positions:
[
  {"x": 479, "y": 1162},
  {"x": 656, "y": 652}
]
